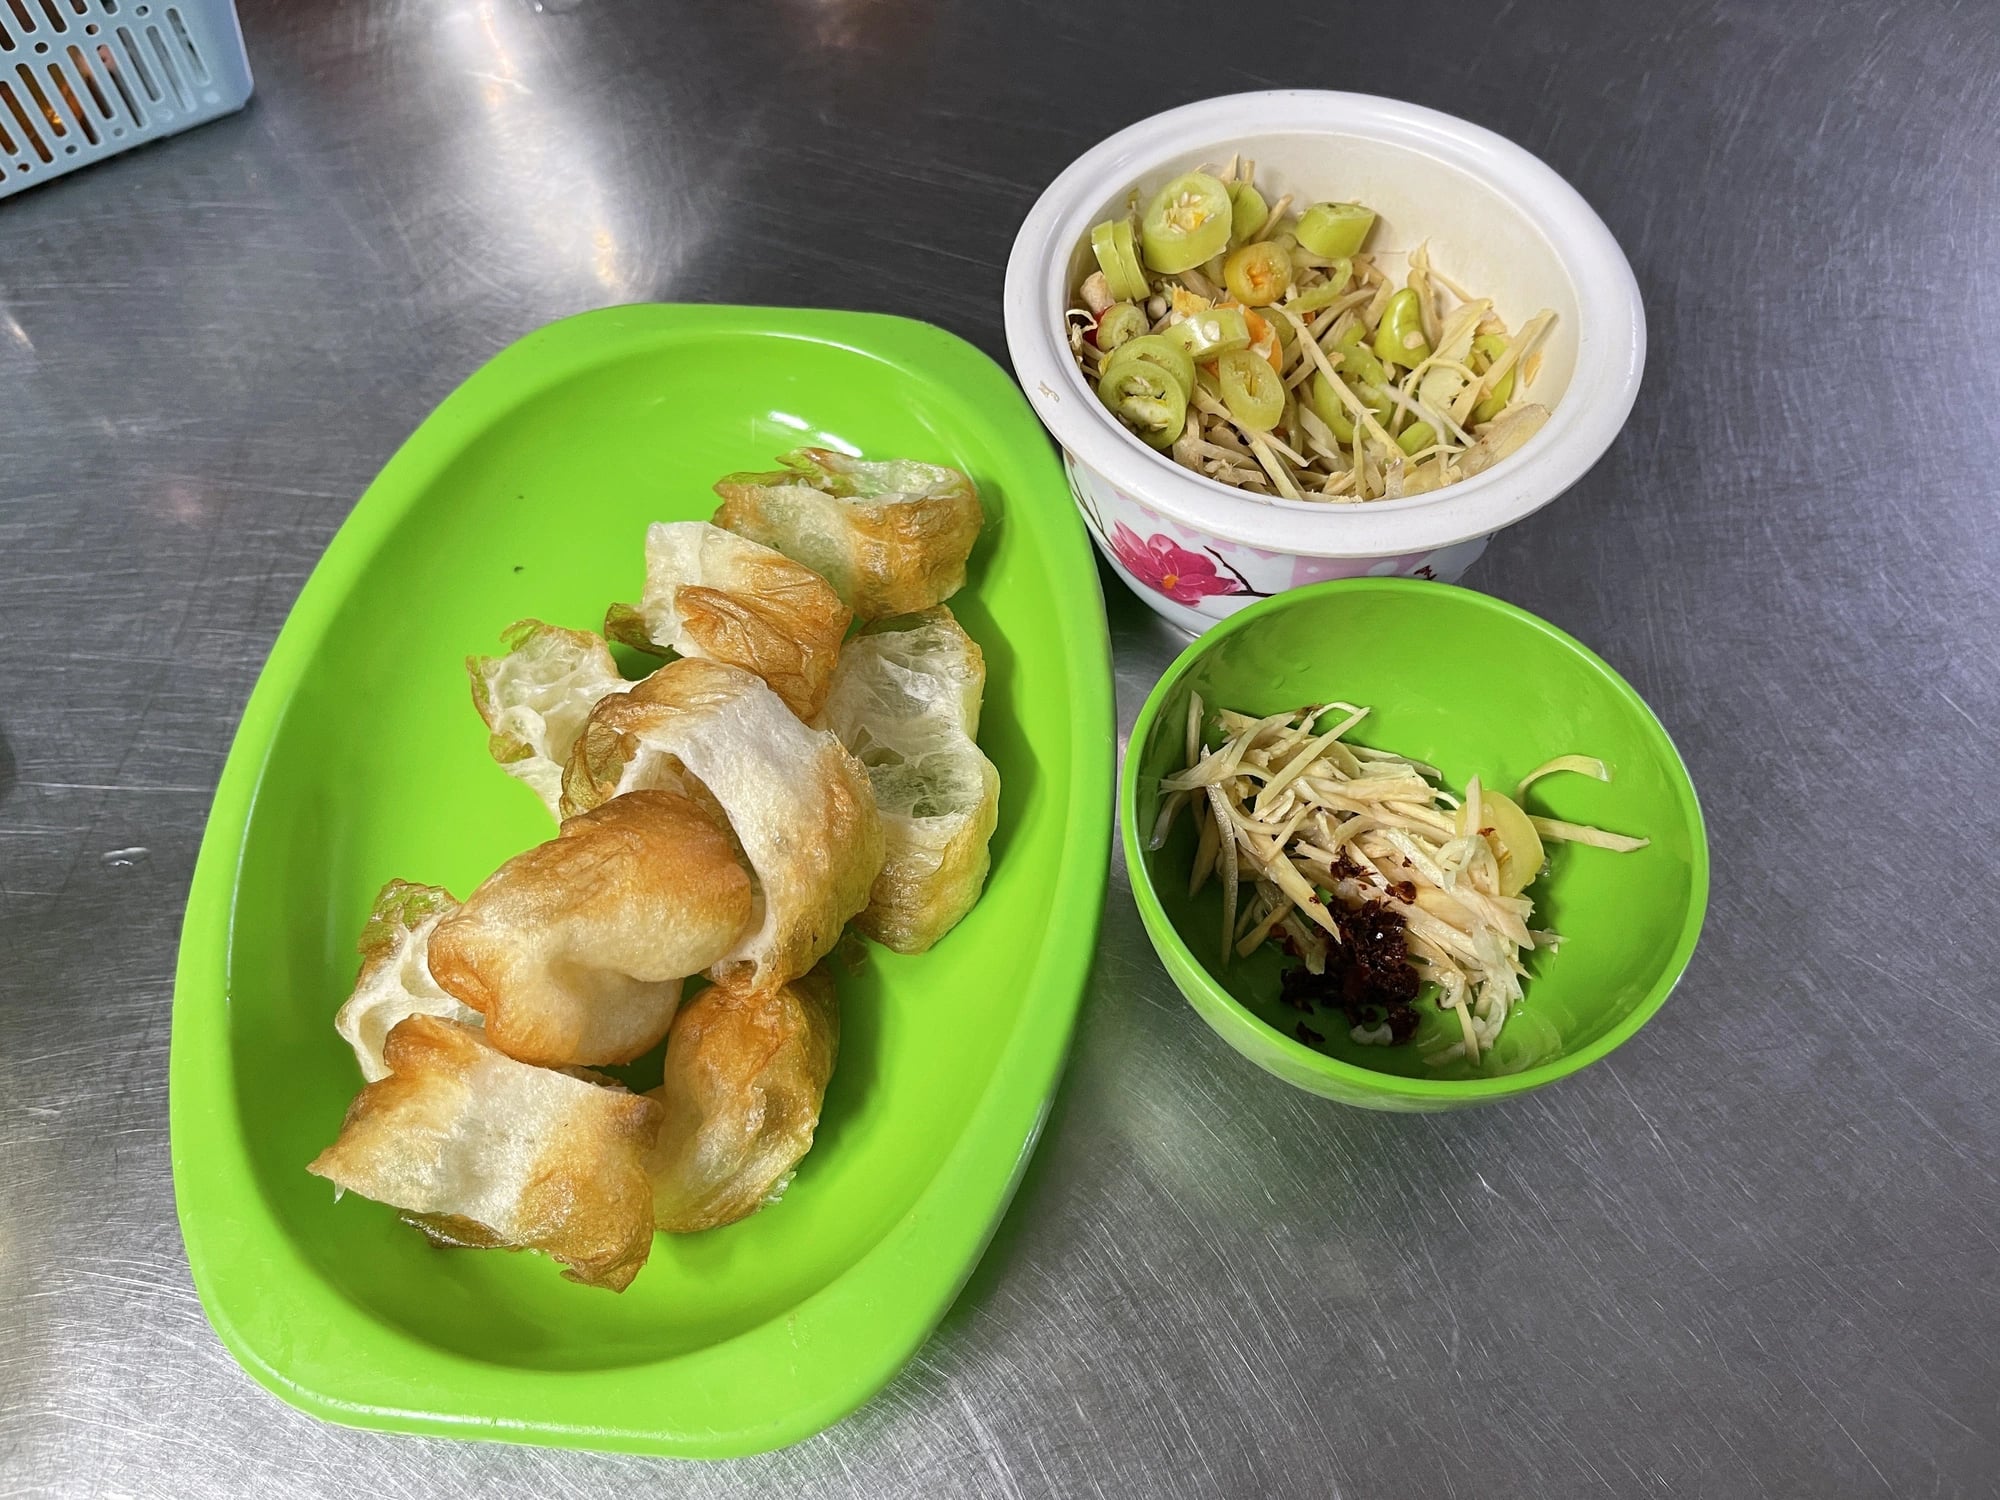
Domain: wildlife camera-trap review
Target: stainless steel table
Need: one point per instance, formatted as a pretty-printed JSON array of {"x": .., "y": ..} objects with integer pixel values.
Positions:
[{"x": 1755, "y": 1253}]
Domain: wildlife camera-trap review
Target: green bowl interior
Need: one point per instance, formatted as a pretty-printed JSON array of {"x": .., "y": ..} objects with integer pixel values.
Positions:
[
  {"x": 1474, "y": 686},
  {"x": 381, "y": 769}
]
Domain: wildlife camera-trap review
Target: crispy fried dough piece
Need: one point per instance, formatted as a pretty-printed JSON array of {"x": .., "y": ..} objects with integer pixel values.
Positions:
[
  {"x": 799, "y": 805},
  {"x": 714, "y": 594},
  {"x": 906, "y": 702},
  {"x": 535, "y": 698},
  {"x": 891, "y": 538},
  {"x": 745, "y": 1076},
  {"x": 395, "y": 979},
  {"x": 575, "y": 950},
  {"x": 478, "y": 1149}
]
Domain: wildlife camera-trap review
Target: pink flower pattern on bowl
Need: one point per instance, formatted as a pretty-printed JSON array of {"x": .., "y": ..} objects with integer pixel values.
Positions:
[
  {"x": 1195, "y": 578},
  {"x": 1160, "y": 563}
]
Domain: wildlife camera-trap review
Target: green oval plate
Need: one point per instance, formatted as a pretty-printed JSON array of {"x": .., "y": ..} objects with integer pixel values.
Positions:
[{"x": 360, "y": 758}]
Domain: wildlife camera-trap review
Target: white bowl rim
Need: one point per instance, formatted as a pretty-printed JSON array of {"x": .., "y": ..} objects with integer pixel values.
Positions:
[{"x": 1611, "y": 332}]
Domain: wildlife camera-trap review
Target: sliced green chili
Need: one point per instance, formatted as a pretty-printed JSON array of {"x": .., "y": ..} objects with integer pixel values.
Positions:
[
  {"x": 1187, "y": 222},
  {"x": 1335, "y": 230}
]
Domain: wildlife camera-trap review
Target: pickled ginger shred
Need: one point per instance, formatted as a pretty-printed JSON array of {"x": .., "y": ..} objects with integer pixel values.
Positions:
[{"x": 1293, "y": 819}]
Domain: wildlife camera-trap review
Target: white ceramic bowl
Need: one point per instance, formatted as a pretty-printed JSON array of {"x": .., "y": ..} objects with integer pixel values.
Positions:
[{"x": 1499, "y": 222}]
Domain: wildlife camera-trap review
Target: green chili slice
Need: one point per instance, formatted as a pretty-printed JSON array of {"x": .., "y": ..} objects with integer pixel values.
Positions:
[
  {"x": 1187, "y": 222},
  {"x": 1489, "y": 347},
  {"x": 1161, "y": 352},
  {"x": 1207, "y": 334},
  {"x": 1145, "y": 398},
  {"x": 1247, "y": 211},
  {"x": 1399, "y": 337},
  {"x": 1258, "y": 275},
  {"x": 1111, "y": 243},
  {"x": 1416, "y": 437},
  {"x": 1251, "y": 389},
  {"x": 1118, "y": 324},
  {"x": 1335, "y": 230},
  {"x": 1327, "y": 292}
]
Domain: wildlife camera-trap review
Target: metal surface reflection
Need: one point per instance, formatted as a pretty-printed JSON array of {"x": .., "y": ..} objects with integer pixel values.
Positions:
[
  {"x": 857, "y": 26},
  {"x": 538, "y": 161},
  {"x": 1750, "y": 1254}
]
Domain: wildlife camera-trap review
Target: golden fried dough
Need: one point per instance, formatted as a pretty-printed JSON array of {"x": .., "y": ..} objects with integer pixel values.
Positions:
[
  {"x": 575, "y": 950},
  {"x": 906, "y": 702},
  {"x": 799, "y": 805},
  {"x": 714, "y": 594},
  {"x": 478, "y": 1149},
  {"x": 535, "y": 698},
  {"x": 395, "y": 979},
  {"x": 746, "y": 1072},
  {"x": 891, "y": 538}
]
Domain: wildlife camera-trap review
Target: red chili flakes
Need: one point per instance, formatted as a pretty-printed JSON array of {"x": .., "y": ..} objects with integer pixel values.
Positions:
[{"x": 1368, "y": 977}]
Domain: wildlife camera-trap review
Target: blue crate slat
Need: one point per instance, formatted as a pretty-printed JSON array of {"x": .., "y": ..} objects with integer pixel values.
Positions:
[{"x": 84, "y": 79}]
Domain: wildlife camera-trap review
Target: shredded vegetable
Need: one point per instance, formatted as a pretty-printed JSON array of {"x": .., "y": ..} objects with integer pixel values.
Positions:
[
  {"x": 1378, "y": 391},
  {"x": 1584, "y": 764},
  {"x": 1319, "y": 842}
]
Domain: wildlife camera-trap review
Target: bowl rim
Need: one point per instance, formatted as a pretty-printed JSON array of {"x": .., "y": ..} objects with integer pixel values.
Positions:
[
  {"x": 1611, "y": 334},
  {"x": 1355, "y": 1079}
]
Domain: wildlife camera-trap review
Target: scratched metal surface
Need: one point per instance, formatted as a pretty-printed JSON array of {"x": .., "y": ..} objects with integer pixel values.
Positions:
[{"x": 1753, "y": 1254}]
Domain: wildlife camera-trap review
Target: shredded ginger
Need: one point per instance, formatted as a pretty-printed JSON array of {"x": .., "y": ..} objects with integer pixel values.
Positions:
[{"x": 1290, "y": 815}]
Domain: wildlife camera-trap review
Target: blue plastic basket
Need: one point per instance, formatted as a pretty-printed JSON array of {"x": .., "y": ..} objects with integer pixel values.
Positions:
[{"x": 85, "y": 79}]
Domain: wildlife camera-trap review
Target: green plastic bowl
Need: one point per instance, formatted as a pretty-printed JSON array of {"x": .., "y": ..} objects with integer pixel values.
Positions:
[{"x": 1473, "y": 686}]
